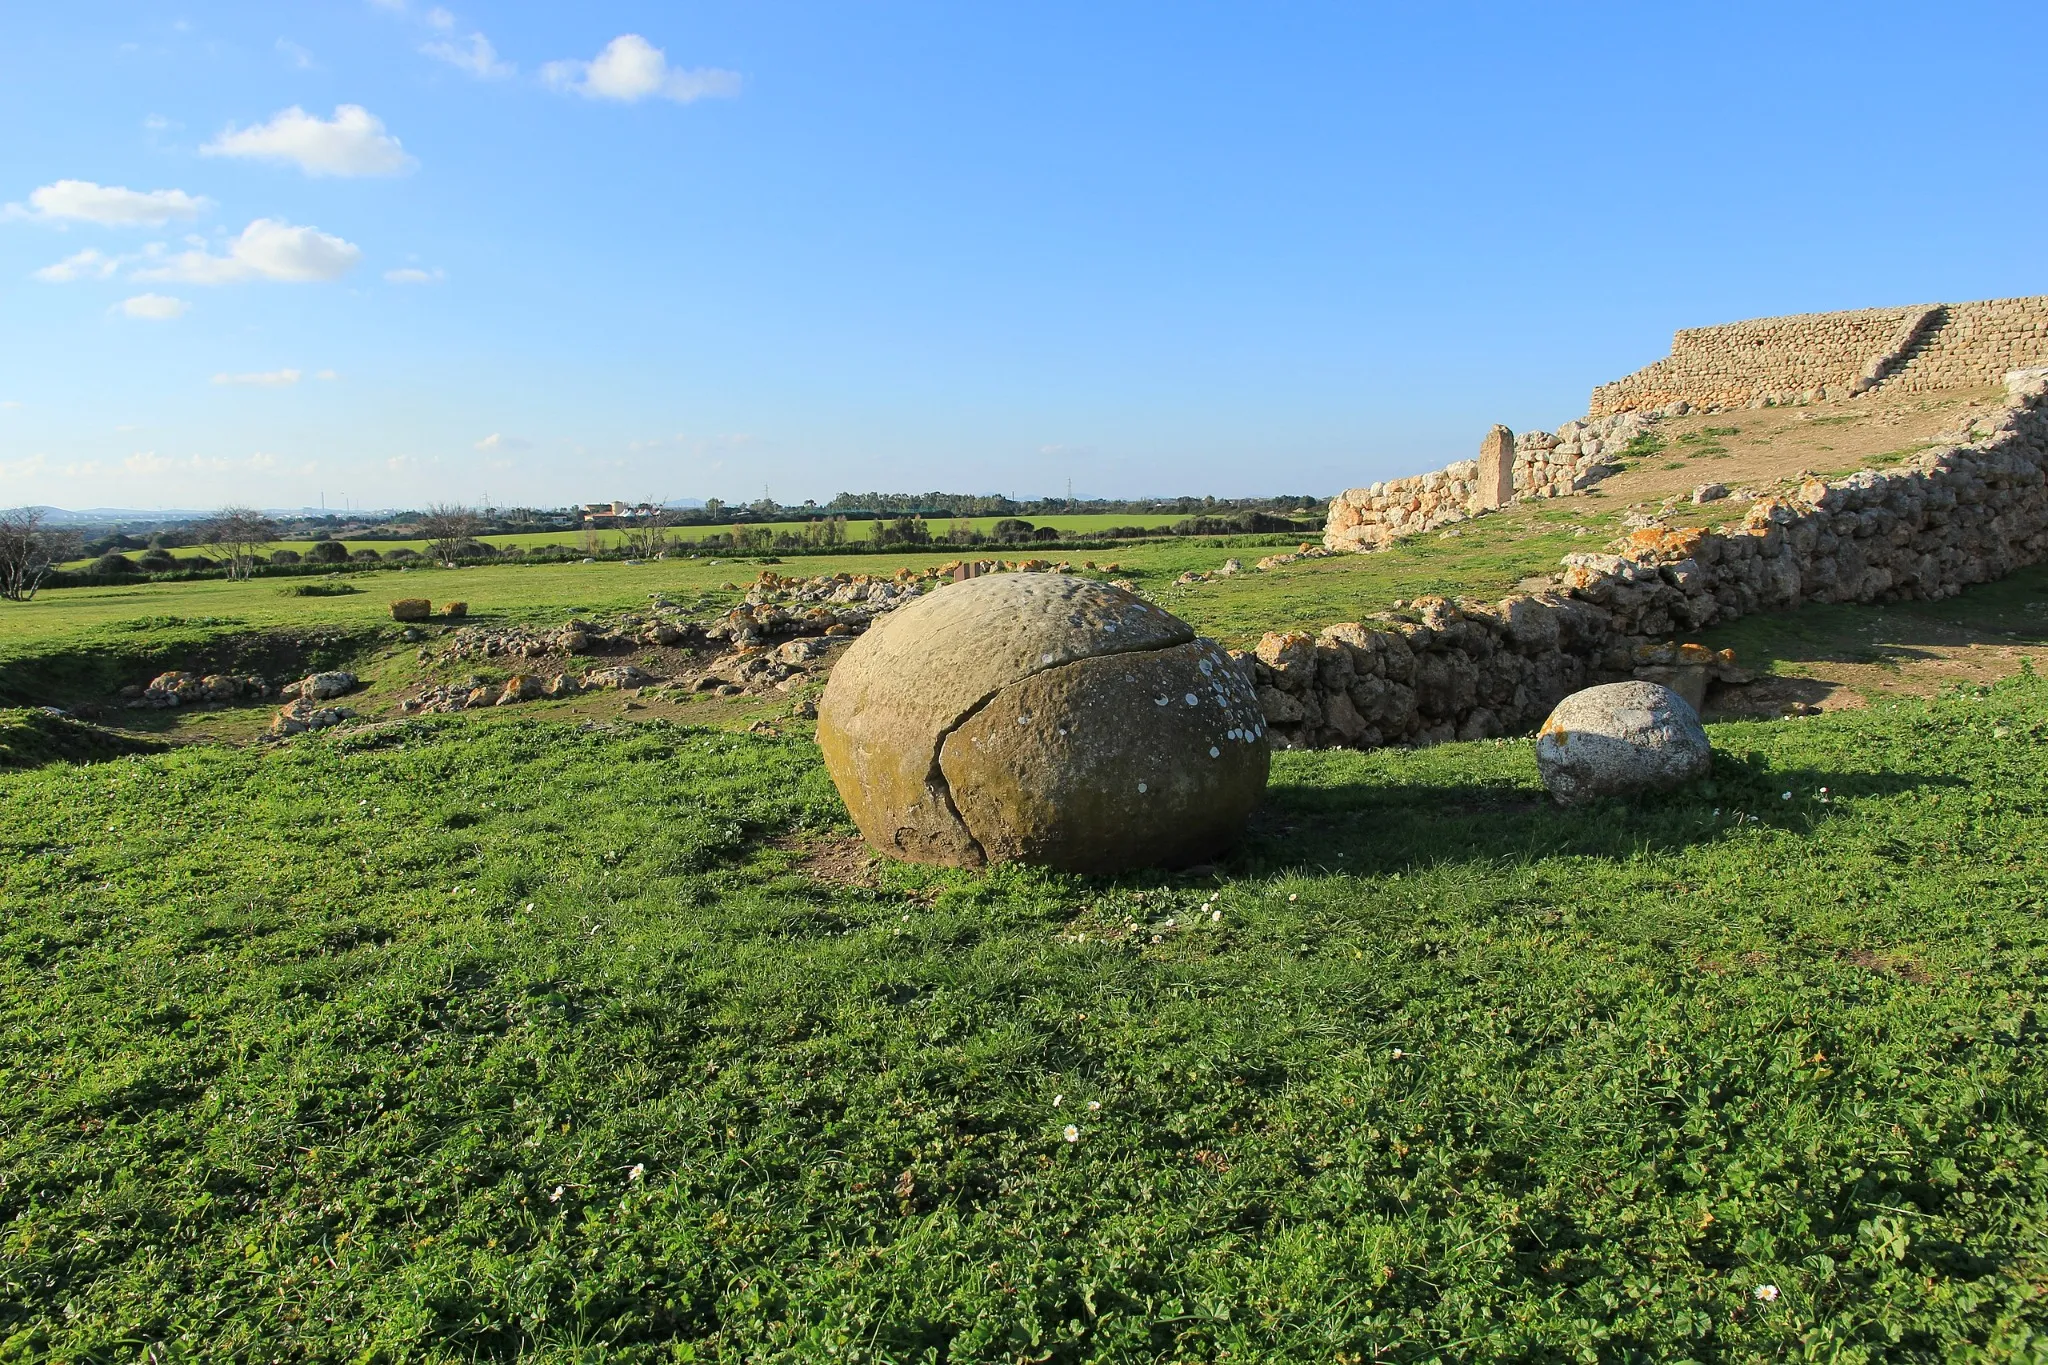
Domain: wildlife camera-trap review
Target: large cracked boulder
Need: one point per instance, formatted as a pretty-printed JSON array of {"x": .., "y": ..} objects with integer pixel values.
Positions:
[
  {"x": 1046, "y": 719},
  {"x": 1621, "y": 739}
]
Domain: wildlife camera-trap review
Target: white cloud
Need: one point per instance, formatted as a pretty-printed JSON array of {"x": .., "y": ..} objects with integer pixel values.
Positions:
[
  {"x": 440, "y": 18},
  {"x": 353, "y": 142},
  {"x": 9, "y": 404},
  {"x": 630, "y": 69},
  {"x": 80, "y": 265},
  {"x": 110, "y": 205},
  {"x": 327, "y": 374},
  {"x": 267, "y": 379},
  {"x": 496, "y": 442},
  {"x": 149, "y": 462},
  {"x": 262, "y": 461},
  {"x": 473, "y": 54},
  {"x": 266, "y": 250},
  {"x": 412, "y": 274},
  {"x": 154, "y": 307},
  {"x": 300, "y": 58}
]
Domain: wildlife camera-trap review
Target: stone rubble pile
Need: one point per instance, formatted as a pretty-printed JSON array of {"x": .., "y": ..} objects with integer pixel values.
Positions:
[
  {"x": 1579, "y": 454},
  {"x": 191, "y": 689},
  {"x": 1440, "y": 670},
  {"x": 303, "y": 709}
]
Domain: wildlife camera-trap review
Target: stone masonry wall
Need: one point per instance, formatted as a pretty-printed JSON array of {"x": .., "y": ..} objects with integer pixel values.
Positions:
[
  {"x": 1954, "y": 516},
  {"x": 1975, "y": 343},
  {"x": 1547, "y": 465},
  {"x": 1816, "y": 356}
]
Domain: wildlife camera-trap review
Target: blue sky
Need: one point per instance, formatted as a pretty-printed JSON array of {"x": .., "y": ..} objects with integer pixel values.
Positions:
[{"x": 389, "y": 252}]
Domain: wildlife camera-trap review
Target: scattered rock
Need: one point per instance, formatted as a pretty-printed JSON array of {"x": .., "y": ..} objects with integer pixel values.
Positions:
[
  {"x": 302, "y": 715},
  {"x": 1709, "y": 492},
  {"x": 1621, "y": 739},
  {"x": 323, "y": 686},
  {"x": 190, "y": 689},
  {"x": 624, "y": 676}
]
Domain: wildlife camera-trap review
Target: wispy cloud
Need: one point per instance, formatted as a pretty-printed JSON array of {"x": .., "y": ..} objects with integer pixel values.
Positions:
[
  {"x": 631, "y": 69},
  {"x": 412, "y": 274},
  {"x": 267, "y": 379},
  {"x": 473, "y": 54},
  {"x": 267, "y": 250},
  {"x": 352, "y": 143},
  {"x": 498, "y": 443},
  {"x": 81, "y": 201},
  {"x": 88, "y": 264},
  {"x": 154, "y": 307},
  {"x": 296, "y": 55}
]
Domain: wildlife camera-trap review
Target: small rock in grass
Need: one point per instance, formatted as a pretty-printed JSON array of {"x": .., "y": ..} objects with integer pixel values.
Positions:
[{"x": 1621, "y": 739}]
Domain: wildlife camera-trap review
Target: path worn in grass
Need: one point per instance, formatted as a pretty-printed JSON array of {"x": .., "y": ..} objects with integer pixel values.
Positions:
[{"x": 463, "y": 1042}]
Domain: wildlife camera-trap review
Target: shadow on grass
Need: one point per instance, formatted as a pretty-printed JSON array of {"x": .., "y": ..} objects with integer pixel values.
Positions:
[
  {"x": 1368, "y": 827},
  {"x": 2012, "y": 611},
  {"x": 32, "y": 739}
]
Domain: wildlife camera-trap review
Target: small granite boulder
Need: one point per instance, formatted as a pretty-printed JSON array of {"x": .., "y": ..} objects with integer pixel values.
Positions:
[
  {"x": 1619, "y": 740},
  {"x": 1042, "y": 718},
  {"x": 323, "y": 686}
]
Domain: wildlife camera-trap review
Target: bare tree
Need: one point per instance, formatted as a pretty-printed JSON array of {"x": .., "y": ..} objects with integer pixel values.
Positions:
[
  {"x": 647, "y": 534},
  {"x": 446, "y": 525},
  {"x": 29, "y": 550},
  {"x": 241, "y": 532}
]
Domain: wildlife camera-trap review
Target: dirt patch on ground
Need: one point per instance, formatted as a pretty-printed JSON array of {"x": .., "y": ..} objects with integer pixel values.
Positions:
[
  {"x": 836, "y": 861},
  {"x": 1842, "y": 685},
  {"x": 1887, "y": 964},
  {"x": 1761, "y": 447}
]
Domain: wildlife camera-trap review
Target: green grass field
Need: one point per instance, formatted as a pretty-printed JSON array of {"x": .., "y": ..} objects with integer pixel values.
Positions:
[
  {"x": 62, "y": 629},
  {"x": 459, "y": 1042},
  {"x": 1075, "y": 526}
]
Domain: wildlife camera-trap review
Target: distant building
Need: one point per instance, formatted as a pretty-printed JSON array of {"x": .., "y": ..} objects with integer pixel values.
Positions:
[{"x": 615, "y": 513}]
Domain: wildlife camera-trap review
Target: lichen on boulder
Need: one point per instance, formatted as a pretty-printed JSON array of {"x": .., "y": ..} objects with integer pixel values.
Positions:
[{"x": 1042, "y": 718}]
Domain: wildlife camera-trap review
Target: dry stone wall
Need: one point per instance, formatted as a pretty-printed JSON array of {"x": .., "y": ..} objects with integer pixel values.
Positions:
[
  {"x": 1812, "y": 357},
  {"x": 1443, "y": 670},
  {"x": 1545, "y": 465}
]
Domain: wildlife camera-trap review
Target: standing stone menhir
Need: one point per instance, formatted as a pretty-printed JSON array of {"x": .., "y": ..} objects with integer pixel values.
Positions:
[
  {"x": 1620, "y": 740},
  {"x": 1497, "y": 468},
  {"x": 1042, "y": 718}
]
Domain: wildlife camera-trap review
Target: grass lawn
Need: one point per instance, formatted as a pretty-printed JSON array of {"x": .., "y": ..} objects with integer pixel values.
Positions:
[{"x": 459, "y": 1041}]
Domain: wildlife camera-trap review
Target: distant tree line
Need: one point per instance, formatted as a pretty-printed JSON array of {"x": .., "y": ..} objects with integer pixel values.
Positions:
[
  {"x": 864, "y": 506},
  {"x": 235, "y": 542}
]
